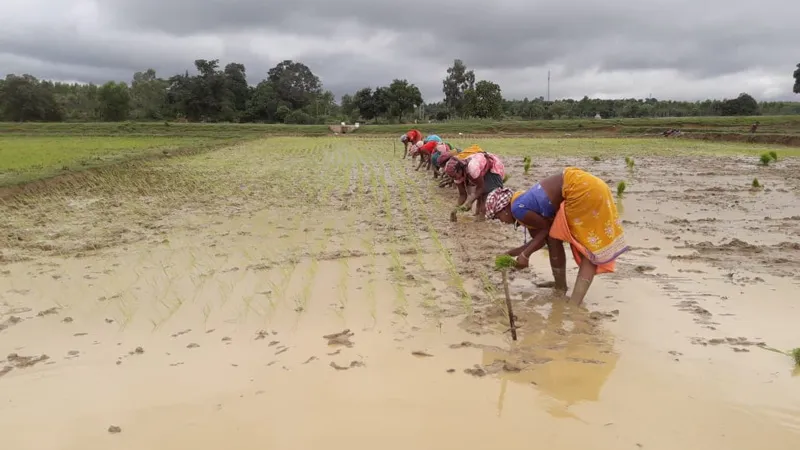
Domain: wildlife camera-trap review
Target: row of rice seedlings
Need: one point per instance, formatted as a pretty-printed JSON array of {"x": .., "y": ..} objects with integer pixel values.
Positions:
[
  {"x": 402, "y": 186},
  {"x": 370, "y": 195},
  {"x": 445, "y": 252},
  {"x": 397, "y": 266},
  {"x": 329, "y": 173},
  {"x": 488, "y": 287}
]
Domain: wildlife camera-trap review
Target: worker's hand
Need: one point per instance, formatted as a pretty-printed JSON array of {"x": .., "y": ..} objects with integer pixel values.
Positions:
[{"x": 522, "y": 262}]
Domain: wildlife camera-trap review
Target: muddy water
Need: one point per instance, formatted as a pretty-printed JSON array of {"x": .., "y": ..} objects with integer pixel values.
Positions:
[{"x": 222, "y": 324}]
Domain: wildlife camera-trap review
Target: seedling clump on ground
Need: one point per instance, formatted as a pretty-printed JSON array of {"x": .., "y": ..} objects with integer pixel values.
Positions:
[
  {"x": 629, "y": 162},
  {"x": 621, "y": 188},
  {"x": 765, "y": 159},
  {"x": 526, "y": 164},
  {"x": 756, "y": 184},
  {"x": 503, "y": 263},
  {"x": 796, "y": 356},
  {"x": 774, "y": 155}
]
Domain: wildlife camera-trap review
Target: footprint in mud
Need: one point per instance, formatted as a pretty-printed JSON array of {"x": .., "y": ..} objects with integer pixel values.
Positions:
[
  {"x": 8, "y": 323},
  {"x": 48, "y": 312},
  {"x": 67, "y": 319},
  {"x": 261, "y": 334},
  {"x": 313, "y": 358},
  {"x": 340, "y": 338},
  {"x": 193, "y": 345},
  {"x": 421, "y": 354},
  {"x": 21, "y": 362},
  {"x": 353, "y": 364},
  {"x": 738, "y": 344},
  {"x": 180, "y": 333},
  {"x": 497, "y": 366}
]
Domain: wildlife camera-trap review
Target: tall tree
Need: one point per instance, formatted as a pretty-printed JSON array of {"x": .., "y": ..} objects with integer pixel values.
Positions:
[
  {"x": 263, "y": 104},
  {"x": 458, "y": 80},
  {"x": 295, "y": 83},
  {"x": 236, "y": 84},
  {"x": 26, "y": 98},
  {"x": 148, "y": 95},
  {"x": 365, "y": 104},
  {"x": 115, "y": 101},
  {"x": 349, "y": 108},
  {"x": 743, "y": 105},
  {"x": 796, "y": 88},
  {"x": 485, "y": 100},
  {"x": 403, "y": 98}
]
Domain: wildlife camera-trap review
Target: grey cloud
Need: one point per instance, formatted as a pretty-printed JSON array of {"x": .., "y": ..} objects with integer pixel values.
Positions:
[{"x": 689, "y": 43}]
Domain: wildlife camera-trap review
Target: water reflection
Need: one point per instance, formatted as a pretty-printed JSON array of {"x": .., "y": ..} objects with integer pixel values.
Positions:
[{"x": 563, "y": 352}]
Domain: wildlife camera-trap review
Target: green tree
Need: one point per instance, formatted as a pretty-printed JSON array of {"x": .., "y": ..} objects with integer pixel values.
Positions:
[
  {"x": 25, "y": 98},
  {"x": 263, "y": 104},
  {"x": 349, "y": 108},
  {"x": 364, "y": 102},
  {"x": 458, "y": 80},
  {"x": 402, "y": 98},
  {"x": 115, "y": 101},
  {"x": 295, "y": 83},
  {"x": 148, "y": 96},
  {"x": 743, "y": 105},
  {"x": 796, "y": 88},
  {"x": 484, "y": 101},
  {"x": 236, "y": 84}
]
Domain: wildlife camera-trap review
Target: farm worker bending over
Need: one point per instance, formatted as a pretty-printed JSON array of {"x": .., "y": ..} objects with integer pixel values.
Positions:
[
  {"x": 572, "y": 206},
  {"x": 484, "y": 171},
  {"x": 444, "y": 150},
  {"x": 410, "y": 138},
  {"x": 426, "y": 148}
]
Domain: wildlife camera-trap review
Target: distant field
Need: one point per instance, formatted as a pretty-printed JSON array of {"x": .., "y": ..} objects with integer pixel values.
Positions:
[
  {"x": 33, "y": 151},
  {"x": 770, "y": 125},
  {"x": 27, "y": 158}
]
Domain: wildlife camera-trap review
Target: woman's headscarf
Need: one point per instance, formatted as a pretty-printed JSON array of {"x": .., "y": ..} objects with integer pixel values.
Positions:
[{"x": 497, "y": 200}]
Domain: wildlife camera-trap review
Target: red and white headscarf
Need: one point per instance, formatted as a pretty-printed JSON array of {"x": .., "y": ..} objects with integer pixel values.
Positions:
[{"x": 497, "y": 200}]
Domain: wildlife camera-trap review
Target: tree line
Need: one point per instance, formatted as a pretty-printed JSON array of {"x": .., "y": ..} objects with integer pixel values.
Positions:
[{"x": 291, "y": 93}]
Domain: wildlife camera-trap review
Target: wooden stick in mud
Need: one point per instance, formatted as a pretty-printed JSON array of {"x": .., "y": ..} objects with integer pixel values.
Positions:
[
  {"x": 503, "y": 263},
  {"x": 508, "y": 305}
]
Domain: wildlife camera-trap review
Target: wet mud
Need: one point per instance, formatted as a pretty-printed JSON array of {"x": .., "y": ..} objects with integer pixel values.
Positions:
[{"x": 326, "y": 299}]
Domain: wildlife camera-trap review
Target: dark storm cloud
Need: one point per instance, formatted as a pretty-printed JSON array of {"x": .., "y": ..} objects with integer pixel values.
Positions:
[
  {"x": 616, "y": 47},
  {"x": 513, "y": 33}
]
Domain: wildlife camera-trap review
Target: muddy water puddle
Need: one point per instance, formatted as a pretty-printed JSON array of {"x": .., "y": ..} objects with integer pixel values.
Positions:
[{"x": 364, "y": 318}]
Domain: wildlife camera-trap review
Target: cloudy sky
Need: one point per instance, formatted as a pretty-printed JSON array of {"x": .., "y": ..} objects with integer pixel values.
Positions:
[{"x": 677, "y": 49}]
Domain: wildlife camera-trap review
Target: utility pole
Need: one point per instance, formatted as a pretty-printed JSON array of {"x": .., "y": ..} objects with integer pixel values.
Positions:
[{"x": 548, "y": 86}]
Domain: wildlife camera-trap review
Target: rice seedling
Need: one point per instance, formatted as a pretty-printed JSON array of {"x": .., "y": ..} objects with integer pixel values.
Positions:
[
  {"x": 445, "y": 253},
  {"x": 526, "y": 164},
  {"x": 596, "y": 158},
  {"x": 756, "y": 184},
  {"x": 629, "y": 162},
  {"x": 796, "y": 356},
  {"x": 503, "y": 263},
  {"x": 774, "y": 155},
  {"x": 621, "y": 186},
  {"x": 765, "y": 159}
]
